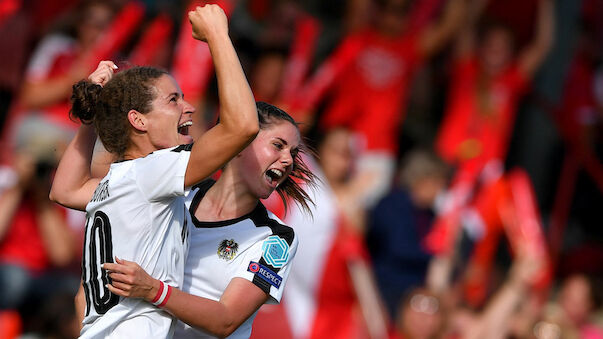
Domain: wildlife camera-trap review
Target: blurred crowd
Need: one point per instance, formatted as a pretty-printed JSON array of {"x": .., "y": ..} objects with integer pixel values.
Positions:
[{"x": 457, "y": 141}]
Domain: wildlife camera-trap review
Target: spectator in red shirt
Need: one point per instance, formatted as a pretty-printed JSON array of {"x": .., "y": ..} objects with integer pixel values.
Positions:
[
  {"x": 372, "y": 70},
  {"x": 61, "y": 59},
  {"x": 36, "y": 238},
  {"x": 487, "y": 83}
]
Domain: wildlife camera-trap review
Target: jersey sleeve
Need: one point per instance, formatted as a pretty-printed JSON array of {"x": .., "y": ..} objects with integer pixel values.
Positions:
[
  {"x": 268, "y": 263},
  {"x": 161, "y": 175}
]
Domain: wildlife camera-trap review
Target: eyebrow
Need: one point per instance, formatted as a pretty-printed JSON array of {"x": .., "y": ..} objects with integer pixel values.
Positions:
[
  {"x": 282, "y": 140},
  {"x": 174, "y": 93}
]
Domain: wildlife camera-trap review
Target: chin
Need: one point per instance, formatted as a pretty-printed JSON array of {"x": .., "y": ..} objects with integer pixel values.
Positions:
[
  {"x": 266, "y": 194},
  {"x": 185, "y": 139}
]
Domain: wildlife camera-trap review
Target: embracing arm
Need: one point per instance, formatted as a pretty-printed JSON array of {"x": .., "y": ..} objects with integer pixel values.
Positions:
[
  {"x": 220, "y": 318},
  {"x": 238, "y": 115}
]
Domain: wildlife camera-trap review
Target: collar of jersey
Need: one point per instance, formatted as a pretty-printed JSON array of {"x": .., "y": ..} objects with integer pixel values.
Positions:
[{"x": 203, "y": 188}]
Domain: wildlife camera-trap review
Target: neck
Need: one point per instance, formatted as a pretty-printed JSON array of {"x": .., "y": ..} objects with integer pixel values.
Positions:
[
  {"x": 139, "y": 148},
  {"x": 228, "y": 198}
]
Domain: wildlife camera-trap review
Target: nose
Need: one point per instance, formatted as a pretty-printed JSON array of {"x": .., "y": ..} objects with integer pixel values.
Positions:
[
  {"x": 187, "y": 107},
  {"x": 287, "y": 159}
]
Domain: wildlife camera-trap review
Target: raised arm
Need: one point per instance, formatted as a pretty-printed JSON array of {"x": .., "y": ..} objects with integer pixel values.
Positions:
[
  {"x": 533, "y": 55},
  {"x": 465, "y": 43},
  {"x": 437, "y": 35},
  {"x": 73, "y": 183},
  {"x": 238, "y": 115},
  {"x": 220, "y": 318}
]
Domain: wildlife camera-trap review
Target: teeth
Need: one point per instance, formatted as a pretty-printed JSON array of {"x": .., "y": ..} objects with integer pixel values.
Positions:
[
  {"x": 185, "y": 124},
  {"x": 276, "y": 173}
]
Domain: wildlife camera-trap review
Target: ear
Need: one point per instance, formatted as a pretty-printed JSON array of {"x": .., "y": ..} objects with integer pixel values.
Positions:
[{"x": 137, "y": 120}]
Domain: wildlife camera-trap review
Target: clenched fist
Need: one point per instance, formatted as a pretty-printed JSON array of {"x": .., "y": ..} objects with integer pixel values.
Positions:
[{"x": 207, "y": 20}]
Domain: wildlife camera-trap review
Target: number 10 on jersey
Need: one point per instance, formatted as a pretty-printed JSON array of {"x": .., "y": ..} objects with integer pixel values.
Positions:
[{"x": 98, "y": 249}]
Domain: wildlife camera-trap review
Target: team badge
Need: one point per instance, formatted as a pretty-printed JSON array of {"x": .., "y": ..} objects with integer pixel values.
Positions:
[
  {"x": 265, "y": 273},
  {"x": 275, "y": 251},
  {"x": 227, "y": 249}
]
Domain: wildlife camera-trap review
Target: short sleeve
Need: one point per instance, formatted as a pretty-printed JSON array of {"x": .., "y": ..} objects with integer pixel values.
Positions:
[
  {"x": 268, "y": 263},
  {"x": 160, "y": 175}
]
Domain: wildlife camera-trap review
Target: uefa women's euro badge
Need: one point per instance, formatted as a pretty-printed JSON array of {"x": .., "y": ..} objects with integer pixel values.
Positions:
[
  {"x": 275, "y": 250},
  {"x": 227, "y": 249}
]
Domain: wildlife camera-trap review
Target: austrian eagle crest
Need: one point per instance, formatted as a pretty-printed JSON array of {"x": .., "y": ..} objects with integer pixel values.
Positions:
[{"x": 227, "y": 249}]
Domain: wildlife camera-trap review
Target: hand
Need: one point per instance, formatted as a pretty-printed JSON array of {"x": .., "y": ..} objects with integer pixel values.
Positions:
[
  {"x": 208, "y": 20},
  {"x": 130, "y": 280},
  {"x": 103, "y": 73}
]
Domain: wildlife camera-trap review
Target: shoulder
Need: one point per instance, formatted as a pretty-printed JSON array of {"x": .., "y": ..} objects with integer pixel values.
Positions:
[{"x": 262, "y": 217}]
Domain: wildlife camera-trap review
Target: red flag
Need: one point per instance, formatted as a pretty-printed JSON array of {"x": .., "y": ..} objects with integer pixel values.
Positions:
[
  {"x": 117, "y": 35},
  {"x": 154, "y": 40},
  {"x": 192, "y": 64}
]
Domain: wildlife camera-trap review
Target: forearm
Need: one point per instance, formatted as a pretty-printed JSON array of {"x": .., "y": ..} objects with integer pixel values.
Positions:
[
  {"x": 238, "y": 115},
  {"x": 56, "y": 236},
  {"x": 73, "y": 172},
  {"x": 436, "y": 36},
  {"x": 37, "y": 95},
  {"x": 495, "y": 320},
  {"x": 368, "y": 298},
  {"x": 535, "y": 53},
  {"x": 9, "y": 201},
  {"x": 237, "y": 105},
  {"x": 545, "y": 24},
  {"x": 209, "y": 315}
]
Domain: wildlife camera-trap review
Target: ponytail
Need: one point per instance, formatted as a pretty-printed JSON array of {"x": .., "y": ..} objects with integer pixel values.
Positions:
[{"x": 84, "y": 99}]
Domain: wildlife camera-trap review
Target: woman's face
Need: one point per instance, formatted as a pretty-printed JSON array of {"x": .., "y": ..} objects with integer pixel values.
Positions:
[
  {"x": 95, "y": 20},
  {"x": 496, "y": 50},
  {"x": 170, "y": 116},
  {"x": 268, "y": 160},
  {"x": 336, "y": 158}
]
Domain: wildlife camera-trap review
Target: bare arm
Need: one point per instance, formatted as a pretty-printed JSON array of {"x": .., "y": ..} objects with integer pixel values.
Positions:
[
  {"x": 9, "y": 201},
  {"x": 10, "y": 198},
  {"x": 74, "y": 183},
  {"x": 494, "y": 321},
  {"x": 437, "y": 35},
  {"x": 532, "y": 56},
  {"x": 465, "y": 44},
  {"x": 42, "y": 93},
  {"x": 369, "y": 299},
  {"x": 80, "y": 305},
  {"x": 57, "y": 237},
  {"x": 220, "y": 318},
  {"x": 238, "y": 116}
]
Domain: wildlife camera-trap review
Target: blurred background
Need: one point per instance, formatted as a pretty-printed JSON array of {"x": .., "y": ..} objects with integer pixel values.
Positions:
[{"x": 458, "y": 143}]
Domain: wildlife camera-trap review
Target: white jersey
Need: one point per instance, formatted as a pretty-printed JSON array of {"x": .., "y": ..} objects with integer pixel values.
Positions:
[
  {"x": 257, "y": 247},
  {"x": 137, "y": 213}
]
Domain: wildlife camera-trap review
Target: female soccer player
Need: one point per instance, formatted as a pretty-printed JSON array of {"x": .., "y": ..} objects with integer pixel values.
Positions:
[
  {"x": 137, "y": 210},
  {"x": 240, "y": 253}
]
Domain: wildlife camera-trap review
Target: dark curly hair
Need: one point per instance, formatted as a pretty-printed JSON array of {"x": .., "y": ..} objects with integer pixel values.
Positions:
[
  {"x": 300, "y": 176},
  {"x": 107, "y": 107}
]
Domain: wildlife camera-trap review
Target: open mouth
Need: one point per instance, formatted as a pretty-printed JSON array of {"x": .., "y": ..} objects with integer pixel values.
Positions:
[
  {"x": 183, "y": 128},
  {"x": 274, "y": 176}
]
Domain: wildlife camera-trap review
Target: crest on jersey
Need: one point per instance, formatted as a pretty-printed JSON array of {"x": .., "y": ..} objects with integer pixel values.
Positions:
[
  {"x": 227, "y": 249},
  {"x": 275, "y": 250}
]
